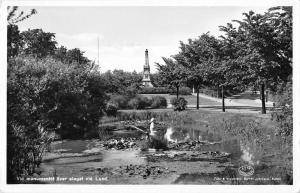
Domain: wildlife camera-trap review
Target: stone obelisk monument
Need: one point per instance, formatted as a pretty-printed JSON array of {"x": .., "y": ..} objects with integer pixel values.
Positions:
[{"x": 146, "y": 73}]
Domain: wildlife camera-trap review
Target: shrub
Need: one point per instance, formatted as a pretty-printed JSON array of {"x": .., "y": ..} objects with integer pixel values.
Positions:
[
  {"x": 179, "y": 104},
  {"x": 173, "y": 101},
  {"x": 182, "y": 91},
  {"x": 120, "y": 100},
  {"x": 134, "y": 103},
  {"x": 158, "y": 102},
  {"x": 130, "y": 91},
  {"x": 25, "y": 149},
  {"x": 154, "y": 90},
  {"x": 121, "y": 82},
  {"x": 178, "y": 118},
  {"x": 45, "y": 93},
  {"x": 283, "y": 111},
  {"x": 111, "y": 109},
  {"x": 135, "y": 115},
  {"x": 145, "y": 101},
  {"x": 165, "y": 90},
  {"x": 139, "y": 102}
]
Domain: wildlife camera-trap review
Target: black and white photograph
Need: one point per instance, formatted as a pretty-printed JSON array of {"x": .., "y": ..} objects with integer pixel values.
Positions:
[{"x": 133, "y": 94}]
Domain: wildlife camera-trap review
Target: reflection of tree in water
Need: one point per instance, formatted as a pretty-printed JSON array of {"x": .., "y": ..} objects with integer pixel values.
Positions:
[
  {"x": 227, "y": 144},
  {"x": 183, "y": 133},
  {"x": 242, "y": 145},
  {"x": 251, "y": 137},
  {"x": 252, "y": 152},
  {"x": 179, "y": 134},
  {"x": 247, "y": 156}
]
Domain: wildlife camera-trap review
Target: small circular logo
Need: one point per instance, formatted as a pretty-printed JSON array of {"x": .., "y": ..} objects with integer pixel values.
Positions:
[{"x": 246, "y": 170}]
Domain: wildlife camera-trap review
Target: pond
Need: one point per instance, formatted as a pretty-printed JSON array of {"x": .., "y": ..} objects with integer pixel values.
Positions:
[
  {"x": 88, "y": 157},
  {"x": 214, "y": 141}
]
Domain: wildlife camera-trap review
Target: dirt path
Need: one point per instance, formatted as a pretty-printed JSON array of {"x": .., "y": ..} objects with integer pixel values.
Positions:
[{"x": 233, "y": 105}]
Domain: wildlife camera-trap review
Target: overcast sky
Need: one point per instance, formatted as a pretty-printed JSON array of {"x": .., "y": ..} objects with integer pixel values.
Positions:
[{"x": 125, "y": 32}]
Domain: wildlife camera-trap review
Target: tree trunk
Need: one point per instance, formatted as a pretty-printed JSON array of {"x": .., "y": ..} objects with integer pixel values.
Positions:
[
  {"x": 262, "y": 92},
  {"x": 197, "y": 98},
  {"x": 218, "y": 91},
  {"x": 223, "y": 100},
  {"x": 177, "y": 91}
]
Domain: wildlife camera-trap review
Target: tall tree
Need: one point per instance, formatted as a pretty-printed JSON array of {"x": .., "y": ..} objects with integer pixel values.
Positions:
[
  {"x": 121, "y": 82},
  {"x": 14, "y": 39},
  {"x": 38, "y": 43},
  {"x": 75, "y": 55},
  {"x": 216, "y": 78},
  {"x": 14, "y": 16},
  {"x": 197, "y": 56},
  {"x": 280, "y": 18},
  {"x": 61, "y": 53},
  {"x": 172, "y": 73},
  {"x": 260, "y": 54},
  {"x": 156, "y": 80}
]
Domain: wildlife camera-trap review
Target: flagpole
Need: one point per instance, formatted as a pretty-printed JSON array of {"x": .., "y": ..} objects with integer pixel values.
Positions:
[{"x": 98, "y": 51}]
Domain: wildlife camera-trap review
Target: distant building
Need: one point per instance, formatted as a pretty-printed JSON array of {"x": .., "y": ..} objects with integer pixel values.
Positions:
[{"x": 146, "y": 73}]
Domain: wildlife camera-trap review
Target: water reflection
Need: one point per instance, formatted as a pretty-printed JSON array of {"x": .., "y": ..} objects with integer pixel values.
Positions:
[
  {"x": 72, "y": 146},
  {"x": 241, "y": 150},
  {"x": 182, "y": 134},
  {"x": 168, "y": 135},
  {"x": 89, "y": 153},
  {"x": 247, "y": 156},
  {"x": 252, "y": 153}
]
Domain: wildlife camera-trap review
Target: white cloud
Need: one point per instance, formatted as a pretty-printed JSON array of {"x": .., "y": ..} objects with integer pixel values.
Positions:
[
  {"x": 131, "y": 58},
  {"x": 78, "y": 40},
  {"x": 125, "y": 32},
  {"x": 126, "y": 57}
]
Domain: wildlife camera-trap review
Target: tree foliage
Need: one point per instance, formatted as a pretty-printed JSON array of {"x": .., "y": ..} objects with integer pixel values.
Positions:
[
  {"x": 262, "y": 53},
  {"x": 253, "y": 52},
  {"x": 38, "y": 43},
  {"x": 179, "y": 104},
  {"x": 48, "y": 94},
  {"x": 283, "y": 111},
  {"x": 172, "y": 73},
  {"x": 14, "y": 16},
  {"x": 49, "y": 89},
  {"x": 121, "y": 82},
  {"x": 200, "y": 59},
  {"x": 14, "y": 41},
  {"x": 157, "y": 80},
  {"x": 63, "y": 97}
]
